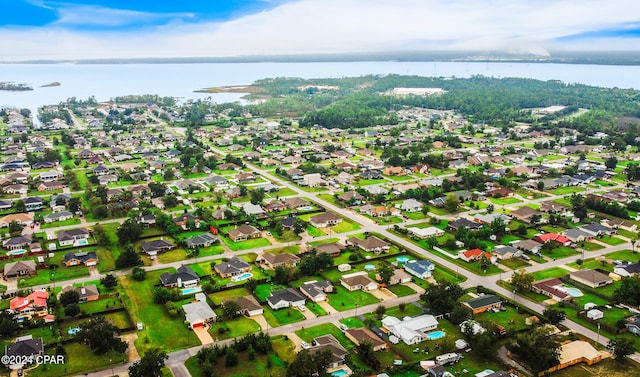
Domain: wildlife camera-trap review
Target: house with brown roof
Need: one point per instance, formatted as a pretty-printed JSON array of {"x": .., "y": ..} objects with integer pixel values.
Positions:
[
  {"x": 270, "y": 261},
  {"x": 358, "y": 281},
  {"x": 363, "y": 334},
  {"x": 325, "y": 219},
  {"x": 19, "y": 268},
  {"x": 296, "y": 203},
  {"x": 249, "y": 306},
  {"x": 552, "y": 288},
  {"x": 333, "y": 248},
  {"x": 591, "y": 278},
  {"x": 243, "y": 233},
  {"x": 394, "y": 171},
  {"x": 370, "y": 244}
]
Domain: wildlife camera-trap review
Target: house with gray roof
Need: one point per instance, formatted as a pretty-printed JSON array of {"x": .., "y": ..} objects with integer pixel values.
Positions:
[
  {"x": 201, "y": 240},
  {"x": 285, "y": 298},
  {"x": 19, "y": 268},
  {"x": 316, "y": 290},
  {"x": 183, "y": 277},
  {"x": 233, "y": 267}
]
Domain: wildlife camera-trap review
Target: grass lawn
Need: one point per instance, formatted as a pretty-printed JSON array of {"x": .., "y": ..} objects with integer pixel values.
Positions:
[
  {"x": 613, "y": 241},
  {"x": 283, "y": 316},
  {"x": 554, "y": 272},
  {"x": 342, "y": 299},
  {"x": 624, "y": 255},
  {"x": 79, "y": 360},
  {"x": 504, "y": 201},
  {"x": 160, "y": 329},
  {"x": 245, "y": 245},
  {"x": 46, "y": 276},
  {"x": 401, "y": 290},
  {"x": 560, "y": 252},
  {"x": 567, "y": 190},
  {"x": 56, "y": 224},
  {"x": 345, "y": 225},
  {"x": 233, "y": 328},
  {"x": 591, "y": 246},
  {"x": 271, "y": 364},
  {"x": 329, "y": 198},
  {"x": 218, "y": 297},
  {"x": 315, "y": 232},
  {"x": 316, "y": 309},
  {"x": 415, "y": 215},
  {"x": 510, "y": 319},
  {"x": 508, "y": 238},
  {"x": 515, "y": 263},
  {"x": 264, "y": 290}
]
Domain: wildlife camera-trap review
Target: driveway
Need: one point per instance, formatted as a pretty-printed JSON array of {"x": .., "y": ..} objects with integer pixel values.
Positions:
[
  {"x": 308, "y": 314},
  {"x": 327, "y": 308},
  {"x": 261, "y": 321},
  {"x": 383, "y": 294},
  {"x": 415, "y": 287},
  {"x": 132, "y": 351},
  {"x": 296, "y": 341},
  {"x": 203, "y": 335}
]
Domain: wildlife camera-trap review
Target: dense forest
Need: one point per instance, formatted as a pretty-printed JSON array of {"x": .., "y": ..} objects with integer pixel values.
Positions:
[{"x": 357, "y": 102}]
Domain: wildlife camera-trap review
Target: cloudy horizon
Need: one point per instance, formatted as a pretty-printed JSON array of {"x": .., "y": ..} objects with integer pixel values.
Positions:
[{"x": 99, "y": 29}]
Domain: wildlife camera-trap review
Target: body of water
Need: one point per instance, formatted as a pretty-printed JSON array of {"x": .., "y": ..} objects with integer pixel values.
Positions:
[{"x": 106, "y": 81}]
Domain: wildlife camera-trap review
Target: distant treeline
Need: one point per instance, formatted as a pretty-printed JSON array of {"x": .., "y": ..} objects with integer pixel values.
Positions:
[{"x": 11, "y": 86}]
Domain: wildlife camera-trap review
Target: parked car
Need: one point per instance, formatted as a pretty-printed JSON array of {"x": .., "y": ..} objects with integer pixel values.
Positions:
[
  {"x": 305, "y": 345},
  {"x": 344, "y": 327},
  {"x": 302, "y": 308}
]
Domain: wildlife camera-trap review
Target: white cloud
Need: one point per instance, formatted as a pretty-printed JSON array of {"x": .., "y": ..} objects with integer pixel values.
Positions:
[
  {"x": 312, "y": 26},
  {"x": 83, "y": 15}
]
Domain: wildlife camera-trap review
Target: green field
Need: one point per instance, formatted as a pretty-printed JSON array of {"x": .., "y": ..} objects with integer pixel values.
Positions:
[{"x": 342, "y": 299}]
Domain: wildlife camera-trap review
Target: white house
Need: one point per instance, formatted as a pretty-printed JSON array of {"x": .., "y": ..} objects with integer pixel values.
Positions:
[
  {"x": 411, "y": 205},
  {"x": 358, "y": 281},
  {"x": 285, "y": 298},
  {"x": 429, "y": 232},
  {"x": 421, "y": 269},
  {"x": 410, "y": 330},
  {"x": 198, "y": 314}
]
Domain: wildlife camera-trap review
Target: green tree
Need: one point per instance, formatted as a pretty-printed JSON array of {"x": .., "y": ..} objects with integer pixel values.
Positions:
[
  {"x": 129, "y": 232},
  {"x": 100, "y": 235},
  {"x": 230, "y": 309},
  {"x": 611, "y": 162},
  {"x": 15, "y": 228},
  {"x": 442, "y": 298},
  {"x": 579, "y": 206},
  {"x": 109, "y": 281},
  {"x": 522, "y": 281},
  {"x": 380, "y": 310},
  {"x": 20, "y": 207},
  {"x": 231, "y": 357},
  {"x": 69, "y": 297},
  {"x": 307, "y": 364},
  {"x": 368, "y": 355},
  {"x": 540, "y": 186},
  {"x": 621, "y": 348},
  {"x": 101, "y": 336},
  {"x": 257, "y": 196},
  {"x": 536, "y": 349},
  {"x": 75, "y": 204},
  {"x": 385, "y": 272},
  {"x": 554, "y": 316},
  {"x": 128, "y": 258},
  {"x": 71, "y": 310},
  {"x": 150, "y": 365},
  {"x": 451, "y": 203},
  {"x": 139, "y": 273}
]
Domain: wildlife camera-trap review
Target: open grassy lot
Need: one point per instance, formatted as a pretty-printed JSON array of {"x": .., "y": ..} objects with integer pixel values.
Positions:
[
  {"x": 515, "y": 263},
  {"x": 283, "y": 316},
  {"x": 341, "y": 299},
  {"x": 613, "y": 241},
  {"x": 79, "y": 360},
  {"x": 218, "y": 297},
  {"x": 560, "y": 252},
  {"x": 315, "y": 232},
  {"x": 624, "y": 255},
  {"x": 554, "y": 272},
  {"x": 233, "y": 328},
  {"x": 273, "y": 365},
  {"x": 245, "y": 245},
  {"x": 504, "y": 201},
  {"x": 567, "y": 190},
  {"x": 510, "y": 319},
  {"x": 345, "y": 225},
  {"x": 401, "y": 290},
  {"x": 160, "y": 328}
]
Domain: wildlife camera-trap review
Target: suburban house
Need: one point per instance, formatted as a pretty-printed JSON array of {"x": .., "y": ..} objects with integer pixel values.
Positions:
[
  {"x": 633, "y": 324},
  {"x": 483, "y": 303},
  {"x": 201, "y": 240},
  {"x": 49, "y": 186},
  {"x": 33, "y": 203},
  {"x": 363, "y": 334},
  {"x": 591, "y": 278},
  {"x": 81, "y": 258},
  {"x": 548, "y": 237},
  {"x": 316, "y": 291},
  {"x": 370, "y": 244},
  {"x": 409, "y": 330},
  {"x": 329, "y": 342},
  {"x": 85, "y": 293},
  {"x": 19, "y": 268},
  {"x": 24, "y": 347},
  {"x": 26, "y": 219},
  {"x": 358, "y": 281},
  {"x": 183, "y": 277},
  {"x": 324, "y": 220},
  {"x": 270, "y": 261},
  {"x": 198, "y": 313},
  {"x": 58, "y": 216},
  {"x": 506, "y": 252},
  {"x": 420, "y": 268},
  {"x": 296, "y": 203},
  {"x": 243, "y": 233},
  {"x": 249, "y": 306},
  {"x": 152, "y": 248},
  {"x": 411, "y": 205},
  {"x": 398, "y": 277},
  {"x": 528, "y": 246},
  {"x": 35, "y": 304},
  {"x": 423, "y": 233},
  {"x": 233, "y": 267},
  {"x": 475, "y": 254},
  {"x": 332, "y": 248},
  {"x": 627, "y": 269},
  {"x": 551, "y": 288},
  {"x": 285, "y": 298},
  {"x": 578, "y": 235},
  {"x": 73, "y": 237},
  {"x": 15, "y": 243}
]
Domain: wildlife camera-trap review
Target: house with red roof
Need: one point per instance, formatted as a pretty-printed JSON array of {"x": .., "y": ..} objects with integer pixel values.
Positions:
[
  {"x": 548, "y": 237},
  {"x": 33, "y": 305},
  {"x": 475, "y": 254}
]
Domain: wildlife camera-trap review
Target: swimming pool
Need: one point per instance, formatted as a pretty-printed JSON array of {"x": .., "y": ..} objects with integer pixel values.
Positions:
[
  {"x": 339, "y": 373},
  {"x": 16, "y": 252},
  {"x": 574, "y": 292},
  {"x": 81, "y": 242},
  {"x": 435, "y": 335},
  {"x": 73, "y": 330},
  {"x": 245, "y": 276},
  {"x": 369, "y": 267},
  {"x": 188, "y": 291},
  {"x": 402, "y": 259}
]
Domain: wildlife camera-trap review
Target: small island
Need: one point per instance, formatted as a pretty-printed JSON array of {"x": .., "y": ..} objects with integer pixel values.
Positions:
[
  {"x": 12, "y": 86},
  {"x": 55, "y": 83},
  {"x": 231, "y": 89}
]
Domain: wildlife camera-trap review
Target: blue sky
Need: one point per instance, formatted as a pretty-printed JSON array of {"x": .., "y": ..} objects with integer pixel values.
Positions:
[{"x": 80, "y": 29}]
